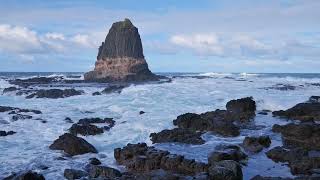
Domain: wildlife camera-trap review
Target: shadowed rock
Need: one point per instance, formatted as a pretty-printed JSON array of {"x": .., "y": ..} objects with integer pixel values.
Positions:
[
  {"x": 120, "y": 56},
  {"x": 226, "y": 152},
  {"x": 4, "y": 133},
  {"x": 306, "y": 135},
  {"x": 256, "y": 144},
  {"x": 309, "y": 111},
  {"x": 177, "y": 135},
  {"x": 72, "y": 174},
  {"x": 85, "y": 129},
  {"x": 54, "y": 93},
  {"x": 72, "y": 145},
  {"x": 26, "y": 175}
]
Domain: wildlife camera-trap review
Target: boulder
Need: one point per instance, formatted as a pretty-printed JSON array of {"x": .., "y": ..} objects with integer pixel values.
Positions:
[
  {"x": 180, "y": 135},
  {"x": 85, "y": 129},
  {"x": 4, "y": 133},
  {"x": 141, "y": 158},
  {"x": 226, "y": 170},
  {"x": 72, "y": 174},
  {"x": 113, "y": 89},
  {"x": 300, "y": 161},
  {"x": 120, "y": 56},
  {"x": 305, "y": 135},
  {"x": 54, "y": 93},
  {"x": 9, "y": 89},
  {"x": 94, "y": 161},
  {"x": 226, "y": 152},
  {"x": 103, "y": 172},
  {"x": 308, "y": 111},
  {"x": 72, "y": 145},
  {"x": 25, "y": 175},
  {"x": 256, "y": 144},
  {"x": 244, "y": 108},
  {"x": 20, "y": 117}
]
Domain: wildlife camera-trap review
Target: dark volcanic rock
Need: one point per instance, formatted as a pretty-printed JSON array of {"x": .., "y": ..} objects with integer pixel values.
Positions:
[
  {"x": 140, "y": 157},
  {"x": 103, "y": 172},
  {"x": 27, "y": 175},
  {"x": 301, "y": 161},
  {"x": 4, "y": 133},
  {"x": 55, "y": 93},
  {"x": 120, "y": 57},
  {"x": 72, "y": 174},
  {"x": 113, "y": 89},
  {"x": 35, "y": 81},
  {"x": 15, "y": 110},
  {"x": 96, "y": 94},
  {"x": 94, "y": 161},
  {"x": 226, "y": 170},
  {"x": 283, "y": 87},
  {"x": 226, "y": 152},
  {"x": 220, "y": 121},
  {"x": 309, "y": 111},
  {"x": 123, "y": 40},
  {"x": 85, "y": 129},
  {"x": 211, "y": 121},
  {"x": 141, "y": 112},
  {"x": 256, "y": 144},
  {"x": 177, "y": 135},
  {"x": 20, "y": 117},
  {"x": 306, "y": 135},
  {"x": 109, "y": 121},
  {"x": 9, "y": 89},
  {"x": 72, "y": 145}
]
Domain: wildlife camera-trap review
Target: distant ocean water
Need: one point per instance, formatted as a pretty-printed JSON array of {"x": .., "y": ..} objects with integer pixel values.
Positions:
[{"x": 162, "y": 102}]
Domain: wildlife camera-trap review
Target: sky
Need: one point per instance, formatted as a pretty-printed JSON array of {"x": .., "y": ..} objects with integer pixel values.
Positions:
[{"x": 266, "y": 36}]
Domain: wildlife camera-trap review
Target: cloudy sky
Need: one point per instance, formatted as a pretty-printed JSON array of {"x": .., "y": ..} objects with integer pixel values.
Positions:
[{"x": 177, "y": 36}]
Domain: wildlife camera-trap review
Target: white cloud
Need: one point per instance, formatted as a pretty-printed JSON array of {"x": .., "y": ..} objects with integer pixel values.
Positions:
[
  {"x": 57, "y": 36},
  {"x": 19, "y": 40},
  {"x": 202, "y": 44},
  {"x": 82, "y": 39}
]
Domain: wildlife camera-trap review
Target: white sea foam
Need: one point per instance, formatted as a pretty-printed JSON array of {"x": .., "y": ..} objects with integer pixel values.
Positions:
[{"x": 28, "y": 149}]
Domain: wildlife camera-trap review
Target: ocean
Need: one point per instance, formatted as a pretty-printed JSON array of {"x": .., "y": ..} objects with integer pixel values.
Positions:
[{"x": 162, "y": 102}]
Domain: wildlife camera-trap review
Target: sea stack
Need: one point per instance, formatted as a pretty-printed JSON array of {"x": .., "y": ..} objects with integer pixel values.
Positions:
[{"x": 120, "y": 57}]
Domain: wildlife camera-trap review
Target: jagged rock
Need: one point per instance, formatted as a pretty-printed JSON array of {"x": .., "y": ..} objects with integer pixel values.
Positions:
[
  {"x": 306, "y": 135},
  {"x": 94, "y": 161},
  {"x": 226, "y": 152},
  {"x": 103, "y": 172},
  {"x": 301, "y": 161},
  {"x": 20, "y": 117},
  {"x": 85, "y": 129},
  {"x": 120, "y": 57},
  {"x": 113, "y": 89},
  {"x": 68, "y": 120},
  {"x": 72, "y": 145},
  {"x": 109, "y": 121},
  {"x": 9, "y": 89},
  {"x": 226, "y": 170},
  {"x": 26, "y": 175},
  {"x": 4, "y": 133},
  {"x": 72, "y": 174},
  {"x": 177, "y": 135},
  {"x": 256, "y": 144},
  {"x": 309, "y": 111},
  {"x": 96, "y": 94},
  {"x": 55, "y": 93},
  {"x": 15, "y": 110},
  {"x": 141, "y": 158},
  {"x": 214, "y": 121},
  {"x": 244, "y": 108}
]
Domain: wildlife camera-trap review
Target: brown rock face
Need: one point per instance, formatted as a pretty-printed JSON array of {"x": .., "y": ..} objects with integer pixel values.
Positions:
[{"x": 120, "y": 57}]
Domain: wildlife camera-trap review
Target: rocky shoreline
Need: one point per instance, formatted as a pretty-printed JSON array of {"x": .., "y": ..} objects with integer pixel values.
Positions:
[{"x": 300, "y": 148}]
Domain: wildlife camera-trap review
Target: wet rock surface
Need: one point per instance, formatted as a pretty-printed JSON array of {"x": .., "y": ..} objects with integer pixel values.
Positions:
[
  {"x": 85, "y": 129},
  {"x": 226, "y": 152},
  {"x": 306, "y": 135},
  {"x": 72, "y": 174},
  {"x": 27, "y": 175},
  {"x": 72, "y": 145},
  {"x": 256, "y": 144},
  {"x": 177, "y": 135},
  {"x": 54, "y": 93},
  {"x": 6, "y": 133},
  {"x": 14, "y": 110},
  {"x": 9, "y": 89},
  {"x": 113, "y": 89},
  {"x": 308, "y": 111}
]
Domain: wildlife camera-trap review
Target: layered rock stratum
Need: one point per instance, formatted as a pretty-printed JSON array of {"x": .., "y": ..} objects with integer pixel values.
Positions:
[{"x": 120, "y": 56}]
